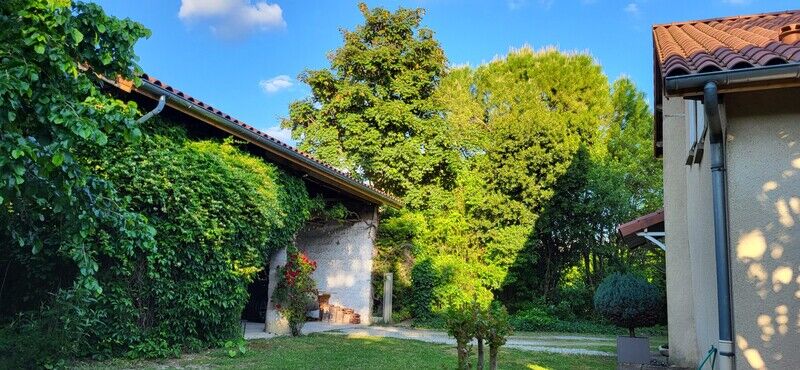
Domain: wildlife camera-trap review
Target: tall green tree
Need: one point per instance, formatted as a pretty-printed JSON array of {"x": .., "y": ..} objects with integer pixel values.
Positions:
[
  {"x": 539, "y": 109},
  {"x": 630, "y": 147},
  {"x": 371, "y": 111}
]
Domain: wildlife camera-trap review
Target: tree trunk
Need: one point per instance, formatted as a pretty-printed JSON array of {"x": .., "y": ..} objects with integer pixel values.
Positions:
[
  {"x": 493, "y": 357},
  {"x": 463, "y": 355},
  {"x": 587, "y": 265},
  {"x": 480, "y": 354},
  {"x": 631, "y": 332}
]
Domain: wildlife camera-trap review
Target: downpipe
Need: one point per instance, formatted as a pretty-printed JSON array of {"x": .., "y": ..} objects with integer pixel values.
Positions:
[
  {"x": 721, "y": 242},
  {"x": 161, "y": 102}
]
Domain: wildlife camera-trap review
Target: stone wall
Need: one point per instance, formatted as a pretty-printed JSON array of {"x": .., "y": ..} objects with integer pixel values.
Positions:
[{"x": 343, "y": 251}]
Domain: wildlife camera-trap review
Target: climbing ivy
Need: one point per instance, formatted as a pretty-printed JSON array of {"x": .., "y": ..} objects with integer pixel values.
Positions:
[{"x": 218, "y": 214}]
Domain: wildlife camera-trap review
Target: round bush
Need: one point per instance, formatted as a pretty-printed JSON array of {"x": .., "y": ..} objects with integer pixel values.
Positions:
[{"x": 628, "y": 300}]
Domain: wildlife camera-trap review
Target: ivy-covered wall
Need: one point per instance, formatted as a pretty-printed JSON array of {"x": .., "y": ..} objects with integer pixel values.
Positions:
[{"x": 217, "y": 212}]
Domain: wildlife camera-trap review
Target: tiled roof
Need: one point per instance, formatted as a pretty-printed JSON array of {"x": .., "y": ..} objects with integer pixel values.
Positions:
[
  {"x": 725, "y": 43},
  {"x": 154, "y": 81},
  {"x": 720, "y": 45}
]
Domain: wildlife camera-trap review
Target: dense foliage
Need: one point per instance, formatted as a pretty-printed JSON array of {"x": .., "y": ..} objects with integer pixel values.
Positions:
[
  {"x": 118, "y": 239},
  {"x": 295, "y": 289},
  {"x": 218, "y": 213},
  {"x": 544, "y": 158},
  {"x": 54, "y": 208},
  {"x": 628, "y": 301}
]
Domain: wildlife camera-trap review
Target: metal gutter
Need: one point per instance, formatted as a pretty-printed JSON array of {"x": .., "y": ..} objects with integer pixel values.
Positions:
[
  {"x": 720, "y": 207},
  {"x": 314, "y": 168},
  {"x": 744, "y": 79}
]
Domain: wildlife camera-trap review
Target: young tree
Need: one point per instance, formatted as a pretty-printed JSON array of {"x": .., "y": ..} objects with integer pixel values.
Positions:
[
  {"x": 498, "y": 329},
  {"x": 371, "y": 112},
  {"x": 461, "y": 325}
]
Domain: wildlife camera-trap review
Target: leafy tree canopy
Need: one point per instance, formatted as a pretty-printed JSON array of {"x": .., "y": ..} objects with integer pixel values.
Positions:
[{"x": 371, "y": 112}]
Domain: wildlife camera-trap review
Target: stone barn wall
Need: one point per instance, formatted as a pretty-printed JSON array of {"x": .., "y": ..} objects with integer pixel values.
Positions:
[{"x": 343, "y": 251}]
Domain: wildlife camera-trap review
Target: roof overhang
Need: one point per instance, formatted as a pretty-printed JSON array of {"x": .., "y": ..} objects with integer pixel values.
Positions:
[
  {"x": 273, "y": 149},
  {"x": 727, "y": 81},
  {"x": 635, "y": 233}
]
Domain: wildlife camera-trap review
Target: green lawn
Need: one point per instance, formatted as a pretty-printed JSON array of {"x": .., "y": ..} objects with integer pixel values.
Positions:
[
  {"x": 327, "y": 351},
  {"x": 607, "y": 344}
]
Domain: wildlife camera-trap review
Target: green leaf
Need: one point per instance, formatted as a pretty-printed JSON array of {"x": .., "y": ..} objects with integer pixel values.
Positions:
[
  {"x": 77, "y": 36},
  {"x": 16, "y": 153},
  {"x": 39, "y": 49},
  {"x": 106, "y": 58},
  {"x": 11, "y": 116},
  {"x": 1, "y": 200},
  {"x": 19, "y": 170},
  {"x": 58, "y": 159}
]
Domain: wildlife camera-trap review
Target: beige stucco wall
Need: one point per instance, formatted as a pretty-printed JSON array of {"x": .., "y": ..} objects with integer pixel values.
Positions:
[
  {"x": 680, "y": 309},
  {"x": 691, "y": 288},
  {"x": 763, "y": 153},
  {"x": 343, "y": 252}
]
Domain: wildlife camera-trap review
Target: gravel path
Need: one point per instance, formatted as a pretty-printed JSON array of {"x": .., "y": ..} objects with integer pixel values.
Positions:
[{"x": 566, "y": 344}]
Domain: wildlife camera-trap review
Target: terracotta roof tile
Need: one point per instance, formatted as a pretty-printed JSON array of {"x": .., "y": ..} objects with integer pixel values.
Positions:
[
  {"x": 724, "y": 43},
  {"x": 721, "y": 44}
]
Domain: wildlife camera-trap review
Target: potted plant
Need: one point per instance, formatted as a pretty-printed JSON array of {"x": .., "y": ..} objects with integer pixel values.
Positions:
[{"x": 629, "y": 301}]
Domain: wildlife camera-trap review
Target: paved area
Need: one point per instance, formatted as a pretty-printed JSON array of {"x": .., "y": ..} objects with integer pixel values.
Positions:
[
  {"x": 567, "y": 344},
  {"x": 255, "y": 330}
]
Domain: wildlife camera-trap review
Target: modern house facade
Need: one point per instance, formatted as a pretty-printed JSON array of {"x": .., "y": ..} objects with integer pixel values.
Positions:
[
  {"x": 343, "y": 249},
  {"x": 727, "y": 110}
]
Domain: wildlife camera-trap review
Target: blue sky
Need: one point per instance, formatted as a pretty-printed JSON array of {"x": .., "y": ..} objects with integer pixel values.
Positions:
[{"x": 243, "y": 56}]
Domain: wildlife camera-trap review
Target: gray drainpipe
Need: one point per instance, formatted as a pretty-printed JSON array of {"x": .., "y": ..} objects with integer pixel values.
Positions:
[
  {"x": 720, "y": 197},
  {"x": 161, "y": 102}
]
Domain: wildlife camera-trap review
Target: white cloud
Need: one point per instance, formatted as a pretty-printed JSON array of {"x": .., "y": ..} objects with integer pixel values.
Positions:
[
  {"x": 276, "y": 84},
  {"x": 632, "y": 8},
  {"x": 282, "y": 134},
  {"x": 232, "y": 19}
]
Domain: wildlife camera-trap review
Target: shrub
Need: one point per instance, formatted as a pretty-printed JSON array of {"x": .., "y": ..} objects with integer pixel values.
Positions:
[
  {"x": 295, "y": 289},
  {"x": 628, "y": 301},
  {"x": 423, "y": 281},
  {"x": 534, "y": 318}
]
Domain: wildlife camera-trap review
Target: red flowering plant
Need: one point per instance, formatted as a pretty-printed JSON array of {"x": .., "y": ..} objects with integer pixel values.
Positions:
[{"x": 296, "y": 289}]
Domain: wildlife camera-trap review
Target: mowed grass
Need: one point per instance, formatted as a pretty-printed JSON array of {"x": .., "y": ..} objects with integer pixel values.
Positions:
[
  {"x": 598, "y": 342},
  {"x": 329, "y": 351}
]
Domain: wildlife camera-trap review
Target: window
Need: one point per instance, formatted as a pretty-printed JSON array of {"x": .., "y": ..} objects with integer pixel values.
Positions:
[{"x": 695, "y": 131}]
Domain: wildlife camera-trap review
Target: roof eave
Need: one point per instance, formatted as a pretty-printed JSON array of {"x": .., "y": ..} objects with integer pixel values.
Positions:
[
  {"x": 314, "y": 169},
  {"x": 734, "y": 80}
]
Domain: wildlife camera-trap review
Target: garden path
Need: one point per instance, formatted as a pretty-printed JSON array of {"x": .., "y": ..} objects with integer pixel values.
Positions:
[{"x": 553, "y": 343}]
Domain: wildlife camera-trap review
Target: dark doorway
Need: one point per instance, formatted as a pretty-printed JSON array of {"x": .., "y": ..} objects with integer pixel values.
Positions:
[{"x": 256, "y": 308}]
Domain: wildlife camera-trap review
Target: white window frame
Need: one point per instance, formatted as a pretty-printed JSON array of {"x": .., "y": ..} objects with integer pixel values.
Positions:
[{"x": 695, "y": 130}]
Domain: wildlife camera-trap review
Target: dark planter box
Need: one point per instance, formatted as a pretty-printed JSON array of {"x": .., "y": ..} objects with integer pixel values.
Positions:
[{"x": 633, "y": 350}]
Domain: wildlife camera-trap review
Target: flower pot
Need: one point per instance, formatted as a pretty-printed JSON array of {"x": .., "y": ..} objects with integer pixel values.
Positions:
[{"x": 633, "y": 350}]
